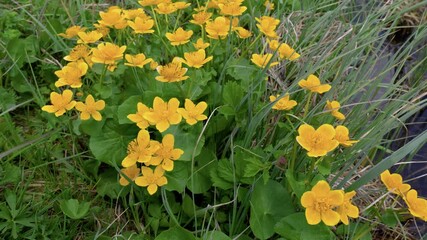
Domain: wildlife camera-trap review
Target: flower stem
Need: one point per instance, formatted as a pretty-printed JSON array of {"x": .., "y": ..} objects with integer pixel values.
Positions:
[{"x": 307, "y": 105}]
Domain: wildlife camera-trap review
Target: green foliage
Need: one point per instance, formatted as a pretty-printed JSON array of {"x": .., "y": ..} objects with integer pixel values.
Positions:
[{"x": 74, "y": 209}]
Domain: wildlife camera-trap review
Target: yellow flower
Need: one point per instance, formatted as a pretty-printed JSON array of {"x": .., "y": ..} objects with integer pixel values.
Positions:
[
  {"x": 232, "y": 9},
  {"x": 341, "y": 135},
  {"x": 113, "y": 18},
  {"x": 200, "y": 44},
  {"x": 138, "y": 118},
  {"x": 417, "y": 206},
  {"x": 284, "y": 103},
  {"x": 131, "y": 14},
  {"x": 172, "y": 72},
  {"x": 218, "y": 28},
  {"x": 102, "y": 29},
  {"x": 72, "y": 32},
  {"x": 394, "y": 183},
  {"x": 107, "y": 53},
  {"x": 164, "y": 113},
  {"x": 273, "y": 44},
  {"x": 196, "y": 59},
  {"x": 263, "y": 60},
  {"x": 140, "y": 149},
  {"x": 313, "y": 84},
  {"x": 267, "y": 25},
  {"x": 138, "y": 60},
  {"x": 71, "y": 74},
  {"x": 90, "y": 108},
  {"x": 334, "y": 106},
  {"x": 142, "y": 25},
  {"x": 320, "y": 203},
  {"x": 347, "y": 209},
  {"x": 151, "y": 179},
  {"x": 80, "y": 52},
  {"x": 166, "y": 154},
  {"x": 153, "y": 65},
  {"x": 317, "y": 142},
  {"x": 60, "y": 103},
  {"x": 181, "y": 5},
  {"x": 180, "y": 36},
  {"x": 89, "y": 37},
  {"x": 193, "y": 113},
  {"x": 242, "y": 33},
  {"x": 165, "y": 8},
  {"x": 145, "y": 3},
  {"x": 269, "y": 5},
  {"x": 286, "y": 52},
  {"x": 131, "y": 172},
  {"x": 201, "y": 18}
]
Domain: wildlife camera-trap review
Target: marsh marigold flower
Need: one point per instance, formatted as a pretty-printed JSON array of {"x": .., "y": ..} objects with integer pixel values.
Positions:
[
  {"x": 140, "y": 149},
  {"x": 284, "y": 103},
  {"x": 145, "y": 3},
  {"x": 317, "y": 142},
  {"x": 200, "y": 44},
  {"x": 131, "y": 172},
  {"x": 167, "y": 154},
  {"x": 154, "y": 65},
  {"x": 417, "y": 206},
  {"x": 107, "y": 53},
  {"x": 131, "y": 14},
  {"x": 218, "y": 28},
  {"x": 242, "y": 33},
  {"x": 165, "y": 8},
  {"x": 193, "y": 113},
  {"x": 201, "y": 18},
  {"x": 172, "y": 72},
  {"x": 180, "y": 36},
  {"x": 286, "y": 52},
  {"x": 268, "y": 5},
  {"x": 347, "y": 209},
  {"x": 71, "y": 74},
  {"x": 164, "y": 113},
  {"x": 142, "y": 25},
  {"x": 138, "y": 118},
  {"x": 151, "y": 179},
  {"x": 138, "y": 60},
  {"x": 89, "y": 37},
  {"x": 231, "y": 8},
  {"x": 90, "y": 108},
  {"x": 196, "y": 59},
  {"x": 113, "y": 18},
  {"x": 104, "y": 30},
  {"x": 267, "y": 25},
  {"x": 181, "y": 5},
  {"x": 263, "y": 60},
  {"x": 394, "y": 183},
  {"x": 72, "y": 32},
  {"x": 334, "y": 106},
  {"x": 80, "y": 52},
  {"x": 320, "y": 204},
  {"x": 341, "y": 135},
  {"x": 313, "y": 84},
  {"x": 60, "y": 103}
]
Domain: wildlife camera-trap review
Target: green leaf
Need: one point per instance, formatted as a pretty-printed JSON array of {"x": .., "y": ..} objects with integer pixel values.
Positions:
[
  {"x": 73, "y": 208},
  {"x": 177, "y": 178},
  {"x": 200, "y": 181},
  {"x": 324, "y": 166},
  {"x": 215, "y": 235},
  {"x": 109, "y": 185},
  {"x": 10, "y": 174},
  {"x": 298, "y": 187},
  {"x": 295, "y": 227},
  {"x": 253, "y": 166},
  {"x": 129, "y": 106},
  {"x": 267, "y": 207},
  {"x": 242, "y": 69},
  {"x": 232, "y": 94},
  {"x": 186, "y": 141},
  {"x": 175, "y": 233},
  {"x": 110, "y": 147}
]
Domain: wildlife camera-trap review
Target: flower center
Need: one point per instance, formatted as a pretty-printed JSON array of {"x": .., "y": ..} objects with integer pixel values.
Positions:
[{"x": 322, "y": 205}]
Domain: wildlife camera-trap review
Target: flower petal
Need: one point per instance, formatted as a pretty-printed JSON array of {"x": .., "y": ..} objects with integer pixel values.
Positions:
[
  {"x": 312, "y": 216},
  {"x": 330, "y": 218}
]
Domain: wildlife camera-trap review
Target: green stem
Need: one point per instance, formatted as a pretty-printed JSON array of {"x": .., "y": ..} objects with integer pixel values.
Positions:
[{"x": 307, "y": 105}]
